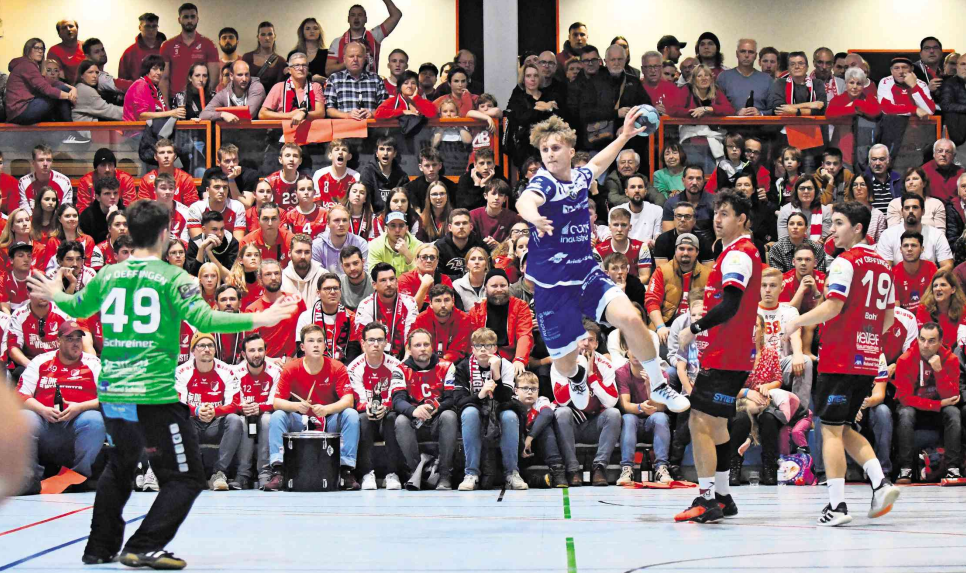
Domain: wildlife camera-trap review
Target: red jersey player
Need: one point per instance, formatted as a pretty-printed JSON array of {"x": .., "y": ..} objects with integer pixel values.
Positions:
[
  {"x": 320, "y": 388},
  {"x": 283, "y": 181},
  {"x": 913, "y": 274},
  {"x": 727, "y": 350},
  {"x": 306, "y": 217},
  {"x": 427, "y": 403},
  {"x": 858, "y": 312}
]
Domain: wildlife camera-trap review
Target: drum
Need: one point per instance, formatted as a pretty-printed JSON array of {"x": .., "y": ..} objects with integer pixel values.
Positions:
[{"x": 311, "y": 461}]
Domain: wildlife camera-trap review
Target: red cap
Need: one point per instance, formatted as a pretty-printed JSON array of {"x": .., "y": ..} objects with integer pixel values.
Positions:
[{"x": 67, "y": 328}]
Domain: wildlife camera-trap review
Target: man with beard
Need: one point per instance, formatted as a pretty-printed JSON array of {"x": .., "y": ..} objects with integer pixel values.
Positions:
[
  {"x": 386, "y": 305},
  {"x": 573, "y": 47},
  {"x": 302, "y": 273},
  {"x": 935, "y": 247},
  {"x": 619, "y": 223},
  {"x": 666, "y": 243},
  {"x": 397, "y": 246},
  {"x": 213, "y": 245},
  {"x": 628, "y": 163},
  {"x": 708, "y": 52},
  {"x": 70, "y": 257},
  {"x": 228, "y": 45},
  {"x": 454, "y": 245},
  {"x": 420, "y": 400},
  {"x": 278, "y": 340},
  {"x": 670, "y": 48},
  {"x": 255, "y": 379},
  {"x": 184, "y": 50},
  {"x": 608, "y": 98},
  {"x": 823, "y": 60},
  {"x": 674, "y": 286},
  {"x": 448, "y": 326},
  {"x": 336, "y": 321},
  {"x": 228, "y": 347},
  {"x": 695, "y": 195},
  {"x": 243, "y": 90},
  {"x": 355, "y": 284},
  {"x": 645, "y": 215},
  {"x": 327, "y": 248},
  {"x": 510, "y": 318}
]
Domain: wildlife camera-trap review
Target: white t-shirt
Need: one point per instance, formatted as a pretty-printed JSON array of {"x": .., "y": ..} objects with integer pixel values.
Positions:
[
  {"x": 935, "y": 247},
  {"x": 775, "y": 320},
  {"x": 646, "y": 225}
]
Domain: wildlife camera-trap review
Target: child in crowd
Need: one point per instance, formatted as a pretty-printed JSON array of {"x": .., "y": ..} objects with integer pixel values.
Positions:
[{"x": 536, "y": 414}]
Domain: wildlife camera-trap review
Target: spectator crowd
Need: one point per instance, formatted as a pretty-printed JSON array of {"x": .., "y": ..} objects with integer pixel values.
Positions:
[{"x": 416, "y": 318}]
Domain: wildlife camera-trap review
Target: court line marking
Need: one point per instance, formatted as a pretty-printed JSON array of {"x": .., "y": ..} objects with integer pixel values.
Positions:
[
  {"x": 23, "y": 560},
  {"x": 502, "y": 492},
  {"x": 566, "y": 502},
  {"x": 29, "y": 525},
  {"x": 571, "y": 556}
]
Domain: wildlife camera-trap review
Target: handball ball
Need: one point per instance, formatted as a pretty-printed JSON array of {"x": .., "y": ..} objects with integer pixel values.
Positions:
[{"x": 650, "y": 120}]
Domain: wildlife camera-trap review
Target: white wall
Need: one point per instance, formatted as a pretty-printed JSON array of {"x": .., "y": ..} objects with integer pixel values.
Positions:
[
  {"x": 427, "y": 30},
  {"x": 788, "y": 25}
]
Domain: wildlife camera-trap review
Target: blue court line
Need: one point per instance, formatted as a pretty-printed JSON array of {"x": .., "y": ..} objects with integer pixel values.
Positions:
[{"x": 13, "y": 564}]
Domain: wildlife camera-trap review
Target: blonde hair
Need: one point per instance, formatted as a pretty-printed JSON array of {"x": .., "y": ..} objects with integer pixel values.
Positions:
[
  {"x": 452, "y": 102},
  {"x": 692, "y": 84},
  {"x": 527, "y": 376},
  {"x": 553, "y": 126},
  {"x": 205, "y": 268},
  {"x": 483, "y": 336},
  {"x": 523, "y": 73},
  {"x": 7, "y": 235},
  {"x": 772, "y": 273},
  {"x": 236, "y": 276},
  {"x": 469, "y": 253}
]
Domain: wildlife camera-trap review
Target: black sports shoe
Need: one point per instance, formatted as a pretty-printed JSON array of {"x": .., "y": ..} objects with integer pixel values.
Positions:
[
  {"x": 702, "y": 510},
  {"x": 154, "y": 559},
  {"x": 727, "y": 504},
  {"x": 349, "y": 481},
  {"x": 89, "y": 559}
]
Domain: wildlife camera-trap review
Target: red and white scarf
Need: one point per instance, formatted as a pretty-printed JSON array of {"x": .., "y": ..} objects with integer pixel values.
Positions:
[
  {"x": 290, "y": 97},
  {"x": 815, "y": 226},
  {"x": 159, "y": 104},
  {"x": 790, "y": 90},
  {"x": 336, "y": 347}
]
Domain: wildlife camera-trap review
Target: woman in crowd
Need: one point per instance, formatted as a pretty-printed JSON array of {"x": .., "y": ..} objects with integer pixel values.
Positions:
[
  {"x": 407, "y": 100},
  {"x": 398, "y": 201},
  {"x": 669, "y": 180},
  {"x": 764, "y": 222},
  {"x": 700, "y": 98},
  {"x": 312, "y": 44},
  {"x": 427, "y": 264},
  {"x": 858, "y": 190},
  {"x": 263, "y": 194},
  {"x": 43, "y": 219},
  {"x": 507, "y": 255},
  {"x": 781, "y": 254},
  {"x": 175, "y": 253},
  {"x": 30, "y": 97},
  {"x": 263, "y": 62},
  {"x": 787, "y": 173},
  {"x": 90, "y": 105},
  {"x": 943, "y": 303},
  {"x": 197, "y": 92},
  {"x": 363, "y": 221},
  {"x": 436, "y": 212},
  {"x": 470, "y": 288},
  {"x": 67, "y": 228},
  {"x": 528, "y": 106},
  {"x": 805, "y": 200},
  {"x": 458, "y": 81},
  {"x": 528, "y": 169},
  {"x": 17, "y": 230},
  {"x": 916, "y": 181},
  {"x": 244, "y": 274},
  {"x": 209, "y": 279},
  {"x": 143, "y": 100},
  {"x": 855, "y": 100}
]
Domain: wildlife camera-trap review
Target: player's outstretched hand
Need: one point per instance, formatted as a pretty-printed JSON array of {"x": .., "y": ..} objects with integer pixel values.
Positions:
[
  {"x": 41, "y": 286},
  {"x": 276, "y": 313},
  {"x": 543, "y": 226},
  {"x": 630, "y": 129}
]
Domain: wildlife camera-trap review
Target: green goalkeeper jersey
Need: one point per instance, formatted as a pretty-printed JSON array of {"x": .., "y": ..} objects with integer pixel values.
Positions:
[{"x": 142, "y": 303}]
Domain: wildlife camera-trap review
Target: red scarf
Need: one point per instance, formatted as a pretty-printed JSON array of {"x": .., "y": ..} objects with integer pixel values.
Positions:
[
  {"x": 156, "y": 94},
  {"x": 815, "y": 227},
  {"x": 290, "y": 97},
  {"x": 336, "y": 347},
  {"x": 790, "y": 90}
]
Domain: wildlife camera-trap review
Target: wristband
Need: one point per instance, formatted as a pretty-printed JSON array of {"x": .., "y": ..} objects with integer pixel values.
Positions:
[
  {"x": 660, "y": 326},
  {"x": 798, "y": 112},
  {"x": 695, "y": 328},
  {"x": 639, "y": 409}
]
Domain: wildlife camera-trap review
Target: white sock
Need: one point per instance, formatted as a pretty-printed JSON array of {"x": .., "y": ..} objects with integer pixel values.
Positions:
[
  {"x": 706, "y": 487},
  {"x": 653, "y": 369},
  {"x": 558, "y": 371},
  {"x": 721, "y": 485},
  {"x": 836, "y": 491},
  {"x": 874, "y": 470}
]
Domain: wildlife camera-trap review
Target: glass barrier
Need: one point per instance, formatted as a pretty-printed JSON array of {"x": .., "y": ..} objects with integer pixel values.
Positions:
[
  {"x": 259, "y": 143},
  {"x": 909, "y": 139},
  {"x": 74, "y": 145}
]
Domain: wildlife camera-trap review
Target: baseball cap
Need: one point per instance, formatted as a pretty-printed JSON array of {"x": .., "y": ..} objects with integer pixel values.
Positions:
[
  {"x": 104, "y": 155},
  {"x": 16, "y": 246},
  {"x": 430, "y": 66},
  {"x": 395, "y": 216},
  {"x": 68, "y": 327},
  {"x": 669, "y": 41},
  {"x": 687, "y": 239}
]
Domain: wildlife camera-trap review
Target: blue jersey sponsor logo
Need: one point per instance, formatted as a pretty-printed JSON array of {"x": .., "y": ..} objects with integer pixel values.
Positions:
[
  {"x": 723, "y": 398},
  {"x": 558, "y": 258},
  {"x": 837, "y": 400},
  {"x": 859, "y": 360}
]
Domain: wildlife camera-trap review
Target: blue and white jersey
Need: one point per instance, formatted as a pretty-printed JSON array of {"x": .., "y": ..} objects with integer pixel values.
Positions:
[{"x": 567, "y": 256}]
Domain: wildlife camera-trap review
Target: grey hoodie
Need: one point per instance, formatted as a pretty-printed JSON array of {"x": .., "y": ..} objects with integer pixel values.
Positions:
[{"x": 328, "y": 256}]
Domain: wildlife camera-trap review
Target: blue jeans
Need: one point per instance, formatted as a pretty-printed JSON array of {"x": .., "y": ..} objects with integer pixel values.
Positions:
[
  {"x": 472, "y": 430},
  {"x": 880, "y": 420},
  {"x": 86, "y": 432},
  {"x": 345, "y": 422},
  {"x": 658, "y": 424},
  {"x": 603, "y": 428},
  {"x": 43, "y": 109}
]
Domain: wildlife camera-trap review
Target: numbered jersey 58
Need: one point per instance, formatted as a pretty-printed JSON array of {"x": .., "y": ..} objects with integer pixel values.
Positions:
[{"x": 852, "y": 341}]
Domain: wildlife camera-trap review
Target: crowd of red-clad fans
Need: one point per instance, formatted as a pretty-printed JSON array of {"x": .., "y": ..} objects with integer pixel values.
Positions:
[{"x": 413, "y": 286}]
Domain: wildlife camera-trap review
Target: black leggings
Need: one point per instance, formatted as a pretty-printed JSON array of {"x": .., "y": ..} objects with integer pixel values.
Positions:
[{"x": 768, "y": 430}]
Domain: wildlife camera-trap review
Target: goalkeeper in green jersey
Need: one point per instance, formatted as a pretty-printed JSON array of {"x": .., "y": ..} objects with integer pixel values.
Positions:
[{"x": 142, "y": 302}]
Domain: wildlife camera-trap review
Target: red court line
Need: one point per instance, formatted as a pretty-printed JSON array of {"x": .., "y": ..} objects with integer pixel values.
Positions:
[{"x": 45, "y": 521}]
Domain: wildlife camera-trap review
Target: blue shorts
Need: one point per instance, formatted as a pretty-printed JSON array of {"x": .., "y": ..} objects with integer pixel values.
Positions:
[{"x": 559, "y": 310}]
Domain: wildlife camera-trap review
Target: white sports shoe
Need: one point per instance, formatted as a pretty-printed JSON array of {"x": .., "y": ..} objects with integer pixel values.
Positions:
[
  {"x": 514, "y": 481},
  {"x": 392, "y": 482},
  {"x": 882, "y": 499},
  {"x": 675, "y": 401},
  {"x": 662, "y": 475},
  {"x": 833, "y": 517},
  {"x": 369, "y": 481},
  {"x": 470, "y": 482},
  {"x": 627, "y": 476},
  {"x": 151, "y": 481}
]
